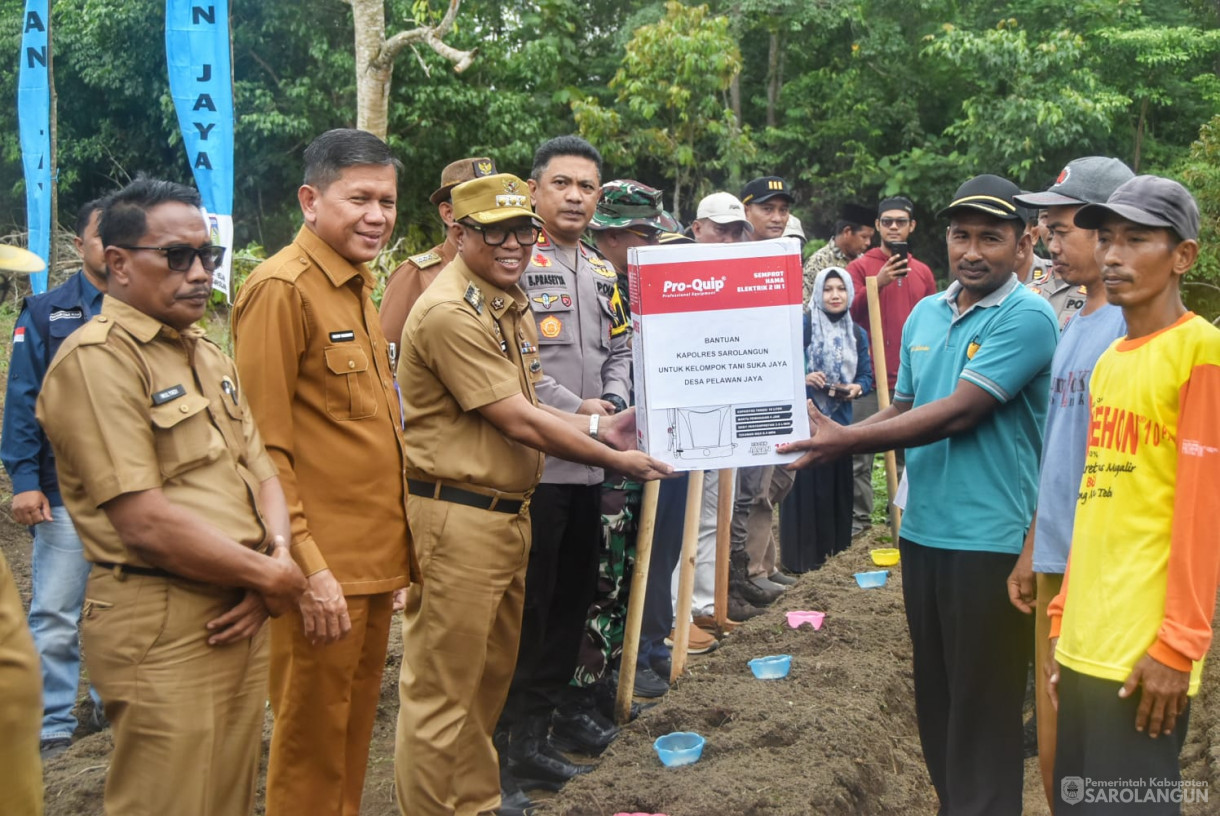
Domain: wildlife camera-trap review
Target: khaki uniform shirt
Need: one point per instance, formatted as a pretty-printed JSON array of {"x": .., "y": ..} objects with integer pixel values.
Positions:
[
  {"x": 309, "y": 347},
  {"x": 130, "y": 404},
  {"x": 1063, "y": 297},
  {"x": 583, "y": 331},
  {"x": 469, "y": 344},
  {"x": 826, "y": 257},
  {"x": 407, "y": 283}
]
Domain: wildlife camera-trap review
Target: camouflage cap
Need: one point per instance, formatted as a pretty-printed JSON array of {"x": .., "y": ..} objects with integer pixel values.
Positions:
[
  {"x": 462, "y": 170},
  {"x": 628, "y": 203}
]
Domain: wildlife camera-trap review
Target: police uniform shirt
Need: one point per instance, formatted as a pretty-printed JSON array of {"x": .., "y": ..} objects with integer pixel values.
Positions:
[
  {"x": 468, "y": 344},
  {"x": 1063, "y": 297},
  {"x": 308, "y": 343},
  {"x": 407, "y": 283},
  {"x": 130, "y": 404},
  {"x": 583, "y": 334}
]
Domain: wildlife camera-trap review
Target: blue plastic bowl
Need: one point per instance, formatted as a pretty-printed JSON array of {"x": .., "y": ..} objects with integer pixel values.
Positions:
[
  {"x": 772, "y": 667},
  {"x": 875, "y": 578},
  {"x": 679, "y": 748}
]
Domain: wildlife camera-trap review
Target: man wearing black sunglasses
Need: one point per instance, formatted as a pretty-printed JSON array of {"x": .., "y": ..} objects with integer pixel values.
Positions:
[{"x": 180, "y": 510}]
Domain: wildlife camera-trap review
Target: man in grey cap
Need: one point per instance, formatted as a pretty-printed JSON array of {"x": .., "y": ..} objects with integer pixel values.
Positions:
[
  {"x": 416, "y": 273},
  {"x": 969, "y": 405},
  {"x": 1038, "y": 575},
  {"x": 1132, "y": 624}
]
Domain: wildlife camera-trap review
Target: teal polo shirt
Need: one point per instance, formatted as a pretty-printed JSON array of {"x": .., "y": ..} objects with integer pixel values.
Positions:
[{"x": 977, "y": 490}]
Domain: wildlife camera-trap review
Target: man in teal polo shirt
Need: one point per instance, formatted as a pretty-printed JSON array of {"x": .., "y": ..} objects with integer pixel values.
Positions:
[{"x": 970, "y": 405}]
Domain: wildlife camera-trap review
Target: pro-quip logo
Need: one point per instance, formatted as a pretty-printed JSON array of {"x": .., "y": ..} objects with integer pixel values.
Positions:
[{"x": 697, "y": 286}]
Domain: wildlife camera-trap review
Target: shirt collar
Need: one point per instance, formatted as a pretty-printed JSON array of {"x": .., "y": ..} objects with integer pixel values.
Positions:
[
  {"x": 497, "y": 300},
  {"x": 141, "y": 326},
  {"x": 993, "y": 299},
  {"x": 89, "y": 293},
  {"x": 337, "y": 269}
]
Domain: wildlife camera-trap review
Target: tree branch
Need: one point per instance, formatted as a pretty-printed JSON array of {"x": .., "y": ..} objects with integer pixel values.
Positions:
[{"x": 432, "y": 36}]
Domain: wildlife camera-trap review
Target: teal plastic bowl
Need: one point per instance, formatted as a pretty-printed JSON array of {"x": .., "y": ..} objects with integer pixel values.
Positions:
[
  {"x": 679, "y": 748},
  {"x": 872, "y": 579},
  {"x": 772, "y": 667}
]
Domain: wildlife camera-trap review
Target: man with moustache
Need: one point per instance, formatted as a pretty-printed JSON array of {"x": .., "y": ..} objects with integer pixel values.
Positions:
[
  {"x": 1038, "y": 575},
  {"x": 586, "y": 368},
  {"x": 768, "y": 200},
  {"x": 180, "y": 511},
  {"x": 317, "y": 369},
  {"x": 970, "y": 405},
  {"x": 476, "y": 435},
  {"x": 416, "y": 273},
  {"x": 902, "y": 281}
]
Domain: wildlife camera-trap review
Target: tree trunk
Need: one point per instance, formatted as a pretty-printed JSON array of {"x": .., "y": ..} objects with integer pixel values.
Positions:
[
  {"x": 772, "y": 78},
  {"x": 1139, "y": 134},
  {"x": 735, "y": 98},
  {"x": 373, "y": 77}
]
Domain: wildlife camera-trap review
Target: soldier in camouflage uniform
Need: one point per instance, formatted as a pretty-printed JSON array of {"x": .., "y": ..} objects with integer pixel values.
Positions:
[{"x": 413, "y": 276}]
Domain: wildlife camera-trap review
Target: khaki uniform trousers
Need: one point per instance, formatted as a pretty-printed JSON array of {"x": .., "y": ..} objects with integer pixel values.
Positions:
[
  {"x": 187, "y": 718},
  {"x": 1047, "y": 586},
  {"x": 759, "y": 491},
  {"x": 20, "y": 707},
  {"x": 325, "y": 702},
  {"x": 461, "y": 629}
]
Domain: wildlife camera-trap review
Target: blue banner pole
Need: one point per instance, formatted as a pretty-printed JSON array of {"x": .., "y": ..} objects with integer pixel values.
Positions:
[
  {"x": 34, "y": 130},
  {"x": 201, "y": 83}
]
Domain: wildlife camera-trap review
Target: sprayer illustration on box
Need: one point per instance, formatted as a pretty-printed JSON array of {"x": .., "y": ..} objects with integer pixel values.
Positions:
[{"x": 719, "y": 364}]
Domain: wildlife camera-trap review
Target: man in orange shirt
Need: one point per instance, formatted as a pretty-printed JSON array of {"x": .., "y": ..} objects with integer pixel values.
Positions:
[{"x": 317, "y": 369}]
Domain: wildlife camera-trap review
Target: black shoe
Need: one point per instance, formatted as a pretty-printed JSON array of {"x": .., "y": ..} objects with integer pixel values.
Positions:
[
  {"x": 534, "y": 761},
  {"x": 513, "y": 801},
  {"x": 53, "y": 747},
  {"x": 582, "y": 730},
  {"x": 663, "y": 666},
  {"x": 778, "y": 577},
  {"x": 649, "y": 684},
  {"x": 740, "y": 609}
]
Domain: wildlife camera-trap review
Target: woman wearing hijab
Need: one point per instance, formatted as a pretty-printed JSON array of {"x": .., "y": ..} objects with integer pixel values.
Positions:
[{"x": 815, "y": 518}]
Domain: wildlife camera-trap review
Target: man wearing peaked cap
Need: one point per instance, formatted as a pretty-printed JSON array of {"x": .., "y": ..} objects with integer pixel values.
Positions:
[
  {"x": 969, "y": 406},
  {"x": 413, "y": 276},
  {"x": 629, "y": 214},
  {"x": 1125, "y": 668},
  {"x": 1091, "y": 329},
  {"x": 476, "y": 436},
  {"x": 767, "y": 201},
  {"x": 852, "y": 236},
  {"x": 721, "y": 218}
]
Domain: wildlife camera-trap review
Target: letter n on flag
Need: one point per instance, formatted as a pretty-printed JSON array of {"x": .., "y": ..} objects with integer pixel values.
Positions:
[
  {"x": 34, "y": 126},
  {"x": 201, "y": 83}
]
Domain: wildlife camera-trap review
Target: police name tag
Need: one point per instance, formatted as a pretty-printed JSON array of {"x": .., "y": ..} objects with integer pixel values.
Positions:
[
  {"x": 168, "y": 395},
  {"x": 342, "y": 336}
]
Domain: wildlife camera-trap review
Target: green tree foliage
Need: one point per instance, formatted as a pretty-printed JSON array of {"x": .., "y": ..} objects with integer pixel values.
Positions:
[{"x": 671, "y": 105}]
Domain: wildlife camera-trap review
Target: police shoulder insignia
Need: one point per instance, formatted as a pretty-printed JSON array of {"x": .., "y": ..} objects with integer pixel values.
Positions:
[
  {"x": 602, "y": 268},
  {"x": 425, "y": 259},
  {"x": 541, "y": 260},
  {"x": 474, "y": 296}
]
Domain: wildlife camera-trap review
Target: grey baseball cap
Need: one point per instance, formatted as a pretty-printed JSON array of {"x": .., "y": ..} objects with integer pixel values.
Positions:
[
  {"x": 1151, "y": 201},
  {"x": 1090, "y": 180}
]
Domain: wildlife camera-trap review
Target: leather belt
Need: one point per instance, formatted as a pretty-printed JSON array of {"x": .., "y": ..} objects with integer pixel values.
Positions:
[
  {"x": 456, "y": 495},
  {"x": 128, "y": 569}
]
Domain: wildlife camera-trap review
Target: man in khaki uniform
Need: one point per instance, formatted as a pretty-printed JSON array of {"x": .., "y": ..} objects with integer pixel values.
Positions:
[
  {"x": 416, "y": 273},
  {"x": 177, "y": 503},
  {"x": 20, "y": 681},
  {"x": 309, "y": 345},
  {"x": 475, "y": 438}
]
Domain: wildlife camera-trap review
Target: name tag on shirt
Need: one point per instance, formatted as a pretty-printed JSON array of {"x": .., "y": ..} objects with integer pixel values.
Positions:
[
  {"x": 67, "y": 314},
  {"x": 342, "y": 336},
  {"x": 168, "y": 395}
]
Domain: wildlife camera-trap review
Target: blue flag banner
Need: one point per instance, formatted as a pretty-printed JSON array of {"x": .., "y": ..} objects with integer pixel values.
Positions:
[
  {"x": 34, "y": 126},
  {"x": 200, "y": 80}
]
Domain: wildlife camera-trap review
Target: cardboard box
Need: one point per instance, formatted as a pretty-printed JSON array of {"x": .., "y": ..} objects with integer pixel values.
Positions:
[{"x": 719, "y": 362}]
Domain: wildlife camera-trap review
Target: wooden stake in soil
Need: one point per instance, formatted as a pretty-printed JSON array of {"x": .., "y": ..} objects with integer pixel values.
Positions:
[
  {"x": 724, "y": 521},
  {"x": 635, "y": 604},
  {"x": 686, "y": 573},
  {"x": 883, "y": 395}
]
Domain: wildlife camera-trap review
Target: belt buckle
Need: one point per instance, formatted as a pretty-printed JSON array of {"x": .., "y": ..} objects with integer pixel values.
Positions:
[
  {"x": 525, "y": 506},
  {"x": 119, "y": 573}
]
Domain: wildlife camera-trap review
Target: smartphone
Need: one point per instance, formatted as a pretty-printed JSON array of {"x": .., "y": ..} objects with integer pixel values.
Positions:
[{"x": 900, "y": 249}]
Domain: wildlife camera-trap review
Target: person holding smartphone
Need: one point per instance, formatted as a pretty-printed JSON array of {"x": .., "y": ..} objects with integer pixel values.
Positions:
[{"x": 903, "y": 281}]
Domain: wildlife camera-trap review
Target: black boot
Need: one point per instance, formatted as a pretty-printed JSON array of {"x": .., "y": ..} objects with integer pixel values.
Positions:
[
  {"x": 741, "y": 585},
  {"x": 535, "y": 762},
  {"x": 513, "y": 801},
  {"x": 581, "y": 729},
  {"x": 740, "y": 609}
]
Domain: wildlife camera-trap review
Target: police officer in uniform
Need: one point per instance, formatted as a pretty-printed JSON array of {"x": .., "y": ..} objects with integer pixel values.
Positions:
[
  {"x": 413, "y": 276},
  {"x": 475, "y": 437},
  {"x": 20, "y": 682},
  {"x": 586, "y": 363},
  {"x": 181, "y": 512}
]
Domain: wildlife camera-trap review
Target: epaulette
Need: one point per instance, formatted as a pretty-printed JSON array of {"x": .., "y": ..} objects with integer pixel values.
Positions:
[
  {"x": 426, "y": 259},
  {"x": 95, "y": 332}
]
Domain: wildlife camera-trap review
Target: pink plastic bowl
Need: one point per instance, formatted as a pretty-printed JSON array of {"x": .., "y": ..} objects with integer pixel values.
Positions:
[{"x": 797, "y": 619}]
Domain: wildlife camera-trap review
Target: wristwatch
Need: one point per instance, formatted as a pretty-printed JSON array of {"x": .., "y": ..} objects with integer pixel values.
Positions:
[{"x": 594, "y": 420}]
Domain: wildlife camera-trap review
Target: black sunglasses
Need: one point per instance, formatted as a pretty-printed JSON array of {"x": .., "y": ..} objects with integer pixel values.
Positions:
[
  {"x": 496, "y": 236},
  {"x": 181, "y": 256}
]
